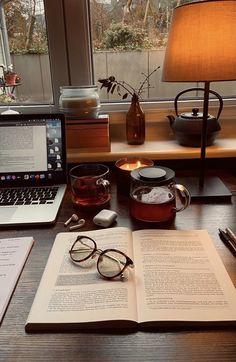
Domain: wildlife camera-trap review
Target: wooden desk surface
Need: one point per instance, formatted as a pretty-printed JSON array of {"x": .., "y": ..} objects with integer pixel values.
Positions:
[{"x": 182, "y": 345}]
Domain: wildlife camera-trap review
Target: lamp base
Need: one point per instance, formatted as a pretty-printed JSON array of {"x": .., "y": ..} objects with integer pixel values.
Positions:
[{"x": 213, "y": 189}]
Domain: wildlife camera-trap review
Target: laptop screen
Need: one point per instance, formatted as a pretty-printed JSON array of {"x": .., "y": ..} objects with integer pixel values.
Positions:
[{"x": 32, "y": 150}]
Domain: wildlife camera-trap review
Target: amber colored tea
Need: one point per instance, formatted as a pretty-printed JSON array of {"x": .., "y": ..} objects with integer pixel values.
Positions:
[
  {"x": 90, "y": 185},
  {"x": 152, "y": 205},
  {"x": 87, "y": 193}
]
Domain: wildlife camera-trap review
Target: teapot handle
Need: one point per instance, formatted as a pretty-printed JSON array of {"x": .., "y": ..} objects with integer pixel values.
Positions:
[
  {"x": 184, "y": 197},
  {"x": 201, "y": 89}
]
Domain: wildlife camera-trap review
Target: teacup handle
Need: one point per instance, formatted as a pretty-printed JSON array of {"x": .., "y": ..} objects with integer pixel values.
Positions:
[
  {"x": 104, "y": 183},
  {"x": 184, "y": 196}
]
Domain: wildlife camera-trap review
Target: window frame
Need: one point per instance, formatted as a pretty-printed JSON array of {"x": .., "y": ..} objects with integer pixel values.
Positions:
[
  {"x": 78, "y": 50},
  {"x": 70, "y": 53},
  {"x": 71, "y": 60}
]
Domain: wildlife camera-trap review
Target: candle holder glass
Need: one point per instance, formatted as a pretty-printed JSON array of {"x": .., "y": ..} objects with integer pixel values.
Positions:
[{"x": 124, "y": 166}]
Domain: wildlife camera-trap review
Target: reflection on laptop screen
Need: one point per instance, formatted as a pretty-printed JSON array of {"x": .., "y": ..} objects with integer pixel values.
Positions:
[{"x": 32, "y": 149}]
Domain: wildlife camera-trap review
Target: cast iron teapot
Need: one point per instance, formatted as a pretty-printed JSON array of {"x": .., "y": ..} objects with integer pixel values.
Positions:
[{"x": 187, "y": 127}]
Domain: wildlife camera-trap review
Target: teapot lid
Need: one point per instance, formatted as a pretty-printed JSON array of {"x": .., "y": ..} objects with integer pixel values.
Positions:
[
  {"x": 157, "y": 174},
  {"x": 195, "y": 114}
]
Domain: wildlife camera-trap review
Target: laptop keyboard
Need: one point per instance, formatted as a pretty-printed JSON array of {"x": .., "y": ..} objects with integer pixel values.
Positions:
[{"x": 28, "y": 196}]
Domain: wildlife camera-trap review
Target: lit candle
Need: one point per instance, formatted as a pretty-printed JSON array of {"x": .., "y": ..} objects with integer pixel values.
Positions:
[
  {"x": 124, "y": 166},
  {"x": 132, "y": 166}
]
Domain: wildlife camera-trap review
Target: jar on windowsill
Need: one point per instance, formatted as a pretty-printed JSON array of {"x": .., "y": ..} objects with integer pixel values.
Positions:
[{"x": 79, "y": 102}]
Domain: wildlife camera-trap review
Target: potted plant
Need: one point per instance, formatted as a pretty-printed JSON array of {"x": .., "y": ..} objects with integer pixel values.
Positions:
[
  {"x": 135, "y": 117},
  {"x": 9, "y": 75},
  {"x": 6, "y": 97}
]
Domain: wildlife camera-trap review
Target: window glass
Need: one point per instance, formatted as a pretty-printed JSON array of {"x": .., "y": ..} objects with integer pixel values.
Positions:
[
  {"x": 129, "y": 39},
  {"x": 24, "y": 51}
]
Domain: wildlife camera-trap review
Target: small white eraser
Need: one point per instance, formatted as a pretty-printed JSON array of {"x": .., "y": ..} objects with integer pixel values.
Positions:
[{"x": 105, "y": 218}]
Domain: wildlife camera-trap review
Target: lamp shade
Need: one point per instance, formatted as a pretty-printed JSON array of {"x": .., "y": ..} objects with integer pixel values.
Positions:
[{"x": 202, "y": 43}]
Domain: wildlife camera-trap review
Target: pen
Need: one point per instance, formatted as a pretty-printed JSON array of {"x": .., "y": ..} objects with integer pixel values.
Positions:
[
  {"x": 226, "y": 239},
  {"x": 231, "y": 235}
]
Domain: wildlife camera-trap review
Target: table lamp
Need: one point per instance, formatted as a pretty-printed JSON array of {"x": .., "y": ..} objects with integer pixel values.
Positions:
[{"x": 202, "y": 48}]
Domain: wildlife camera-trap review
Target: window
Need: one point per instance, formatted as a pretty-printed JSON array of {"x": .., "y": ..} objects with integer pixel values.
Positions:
[
  {"x": 69, "y": 57},
  {"x": 129, "y": 39},
  {"x": 25, "y": 52},
  {"x": 71, "y": 54}
]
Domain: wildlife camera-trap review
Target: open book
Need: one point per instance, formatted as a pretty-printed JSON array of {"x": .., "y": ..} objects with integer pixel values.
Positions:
[{"x": 178, "y": 279}]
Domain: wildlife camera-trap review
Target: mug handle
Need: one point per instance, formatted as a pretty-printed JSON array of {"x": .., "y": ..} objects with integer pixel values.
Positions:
[
  {"x": 104, "y": 183},
  {"x": 184, "y": 195}
]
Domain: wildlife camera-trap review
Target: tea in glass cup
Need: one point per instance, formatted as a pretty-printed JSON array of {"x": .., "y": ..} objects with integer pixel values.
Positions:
[{"x": 90, "y": 185}]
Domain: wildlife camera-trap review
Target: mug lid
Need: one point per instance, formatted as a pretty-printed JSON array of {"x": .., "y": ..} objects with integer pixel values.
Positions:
[{"x": 155, "y": 173}]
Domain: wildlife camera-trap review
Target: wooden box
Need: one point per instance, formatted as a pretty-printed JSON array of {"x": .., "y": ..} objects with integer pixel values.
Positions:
[{"x": 88, "y": 135}]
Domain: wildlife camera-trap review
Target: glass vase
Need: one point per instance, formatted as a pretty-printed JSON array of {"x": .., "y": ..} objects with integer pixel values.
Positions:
[{"x": 135, "y": 123}]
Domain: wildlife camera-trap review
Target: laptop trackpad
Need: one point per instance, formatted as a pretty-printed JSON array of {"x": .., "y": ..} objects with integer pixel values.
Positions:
[{"x": 6, "y": 213}]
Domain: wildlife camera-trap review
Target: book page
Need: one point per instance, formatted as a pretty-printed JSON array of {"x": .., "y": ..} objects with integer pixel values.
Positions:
[
  {"x": 13, "y": 254},
  {"x": 73, "y": 294},
  {"x": 180, "y": 277}
]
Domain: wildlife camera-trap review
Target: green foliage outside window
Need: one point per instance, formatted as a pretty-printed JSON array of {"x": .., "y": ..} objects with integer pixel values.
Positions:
[
  {"x": 131, "y": 24},
  {"x": 123, "y": 37}
]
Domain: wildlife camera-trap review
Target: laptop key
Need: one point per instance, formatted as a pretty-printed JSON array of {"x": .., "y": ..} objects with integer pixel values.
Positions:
[
  {"x": 28, "y": 196},
  {"x": 6, "y": 203}
]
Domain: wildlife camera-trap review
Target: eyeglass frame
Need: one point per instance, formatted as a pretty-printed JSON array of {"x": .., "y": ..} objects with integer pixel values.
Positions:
[{"x": 96, "y": 250}]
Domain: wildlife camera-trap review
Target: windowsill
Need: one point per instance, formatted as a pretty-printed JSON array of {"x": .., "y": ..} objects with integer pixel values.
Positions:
[
  {"x": 156, "y": 150},
  {"x": 160, "y": 144}
]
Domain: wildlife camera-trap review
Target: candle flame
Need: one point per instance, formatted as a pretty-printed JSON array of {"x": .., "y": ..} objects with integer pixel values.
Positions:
[
  {"x": 138, "y": 164},
  {"x": 129, "y": 166},
  {"x": 133, "y": 166}
]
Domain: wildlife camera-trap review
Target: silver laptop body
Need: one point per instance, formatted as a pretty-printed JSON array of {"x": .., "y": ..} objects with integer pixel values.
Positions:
[{"x": 33, "y": 173}]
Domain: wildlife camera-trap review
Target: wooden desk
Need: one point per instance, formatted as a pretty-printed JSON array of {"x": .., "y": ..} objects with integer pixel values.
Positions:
[{"x": 182, "y": 345}]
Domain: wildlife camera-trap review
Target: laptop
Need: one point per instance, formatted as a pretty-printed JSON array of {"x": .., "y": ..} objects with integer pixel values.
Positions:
[{"x": 33, "y": 174}]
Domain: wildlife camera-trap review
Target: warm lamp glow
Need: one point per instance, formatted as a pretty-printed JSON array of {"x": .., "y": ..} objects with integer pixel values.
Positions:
[
  {"x": 202, "y": 48},
  {"x": 202, "y": 43}
]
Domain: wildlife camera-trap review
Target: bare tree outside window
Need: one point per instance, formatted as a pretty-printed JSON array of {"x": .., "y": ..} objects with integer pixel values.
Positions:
[
  {"x": 128, "y": 41},
  {"x": 26, "y": 27},
  {"x": 131, "y": 35},
  {"x": 26, "y": 50}
]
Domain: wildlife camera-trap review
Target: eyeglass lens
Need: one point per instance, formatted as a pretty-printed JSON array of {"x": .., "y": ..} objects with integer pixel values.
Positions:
[
  {"x": 111, "y": 263},
  {"x": 82, "y": 249}
]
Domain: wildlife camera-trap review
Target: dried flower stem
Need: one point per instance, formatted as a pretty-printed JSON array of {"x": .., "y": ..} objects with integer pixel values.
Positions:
[{"x": 111, "y": 84}]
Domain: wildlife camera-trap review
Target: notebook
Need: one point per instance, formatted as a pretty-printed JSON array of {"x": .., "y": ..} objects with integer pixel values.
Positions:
[{"x": 33, "y": 174}]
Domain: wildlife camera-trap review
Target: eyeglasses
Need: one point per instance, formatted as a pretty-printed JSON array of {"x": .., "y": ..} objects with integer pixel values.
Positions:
[{"x": 111, "y": 263}]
